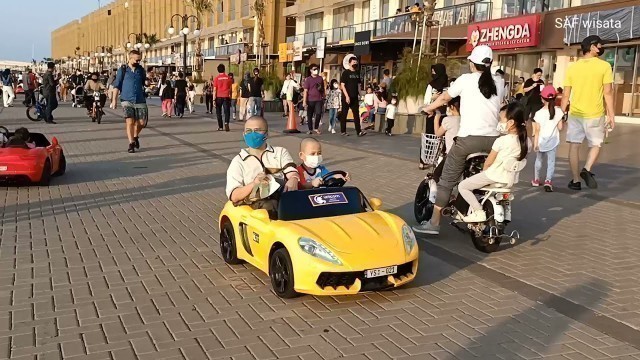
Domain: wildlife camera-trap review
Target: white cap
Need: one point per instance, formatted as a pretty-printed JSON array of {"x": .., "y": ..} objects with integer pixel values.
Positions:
[{"x": 481, "y": 55}]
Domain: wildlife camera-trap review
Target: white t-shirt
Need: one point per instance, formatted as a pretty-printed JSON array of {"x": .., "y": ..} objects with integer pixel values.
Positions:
[
  {"x": 507, "y": 147},
  {"x": 452, "y": 125},
  {"x": 391, "y": 111},
  {"x": 478, "y": 115},
  {"x": 549, "y": 136},
  {"x": 369, "y": 99},
  {"x": 245, "y": 167}
]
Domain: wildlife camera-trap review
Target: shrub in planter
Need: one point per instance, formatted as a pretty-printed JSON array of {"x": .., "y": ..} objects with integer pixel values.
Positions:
[{"x": 272, "y": 85}]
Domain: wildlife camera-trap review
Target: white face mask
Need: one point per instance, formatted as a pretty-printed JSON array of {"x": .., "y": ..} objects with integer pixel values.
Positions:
[
  {"x": 335, "y": 86},
  {"x": 393, "y": 102},
  {"x": 502, "y": 127},
  {"x": 314, "y": 72},
  {"x": 313, "y": 161}
]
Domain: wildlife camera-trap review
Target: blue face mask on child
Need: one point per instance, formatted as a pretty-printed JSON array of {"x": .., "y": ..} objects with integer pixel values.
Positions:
[{"x": 255, "y": 140}]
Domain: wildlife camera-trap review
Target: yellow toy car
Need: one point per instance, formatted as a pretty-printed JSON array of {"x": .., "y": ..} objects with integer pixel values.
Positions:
[{"x": 325, "y": 241}]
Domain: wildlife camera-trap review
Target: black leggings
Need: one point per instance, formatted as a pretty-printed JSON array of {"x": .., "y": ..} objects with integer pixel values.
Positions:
[
  {"x": 181, "y": 101},
  {"x": 208, "y": 98}
]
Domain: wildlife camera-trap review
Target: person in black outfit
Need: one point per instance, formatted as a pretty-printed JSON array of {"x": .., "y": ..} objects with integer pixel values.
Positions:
[
  {"x": 532, "y": 99},
  {"x": 49, "y": 84},
  {"x": 350, "y": 86},
  {"x": 208, "y": 95},
  {"x": 167, "y": 96},
  {"x": 181, "y": 94}
]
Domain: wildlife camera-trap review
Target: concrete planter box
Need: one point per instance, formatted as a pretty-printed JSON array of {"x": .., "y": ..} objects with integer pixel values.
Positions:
[{"x": 404, "y": 124}]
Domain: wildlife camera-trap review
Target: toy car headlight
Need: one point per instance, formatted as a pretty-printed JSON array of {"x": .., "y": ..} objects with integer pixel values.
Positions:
[
  {"x": 316, "y": 249},
  {"x": 409, "y": 238}
]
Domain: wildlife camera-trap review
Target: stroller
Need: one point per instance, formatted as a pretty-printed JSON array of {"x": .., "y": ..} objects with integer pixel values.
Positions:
[{"x": 78, "y": 96}]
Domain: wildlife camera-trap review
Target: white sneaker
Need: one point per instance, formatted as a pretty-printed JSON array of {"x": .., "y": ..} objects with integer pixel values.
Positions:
[
  {"x": 333, "y": 131},
  {"x": 475, "y": 217}
]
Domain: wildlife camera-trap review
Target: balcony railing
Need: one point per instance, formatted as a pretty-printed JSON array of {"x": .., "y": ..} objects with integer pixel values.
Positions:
[
  {"x": 464, "y": 14},
  {"x": 208, "y": 52},
  {"x": 512, "y": 8},
  {"x": 402, "y": 24},
  {"x": 311, "y": 37},
  {"x": 230, "y": 49}
]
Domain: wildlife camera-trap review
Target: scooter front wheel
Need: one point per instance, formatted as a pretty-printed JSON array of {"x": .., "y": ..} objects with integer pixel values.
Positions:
[
  {"x": 422, "y": 205},
  {"x": 32, "y": 114},
  {"x": 489, "y": 240}
]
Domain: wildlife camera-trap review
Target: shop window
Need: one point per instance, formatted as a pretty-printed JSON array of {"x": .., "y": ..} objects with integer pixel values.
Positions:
[{"x": 342, "y": 16}]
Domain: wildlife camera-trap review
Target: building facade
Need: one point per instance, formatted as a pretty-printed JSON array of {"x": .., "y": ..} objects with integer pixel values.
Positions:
[
  {"x": 554, "y": 29},
  {"x": 231, "y": 27}
]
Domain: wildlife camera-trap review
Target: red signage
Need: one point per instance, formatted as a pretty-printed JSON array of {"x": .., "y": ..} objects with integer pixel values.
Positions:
[{"x": 511, "y": 33}]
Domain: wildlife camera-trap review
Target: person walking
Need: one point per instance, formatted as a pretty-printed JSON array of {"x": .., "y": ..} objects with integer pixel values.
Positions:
[
  {"x": 166, "y": 96},
  {"x": 245, "y": 94},
  {"x": 234, "y": 96},
  {"x": 386, "y": 79},
  {"x": 129, "y": 87},
  {"x": 191, "y": 96},
  {"x": 8, "y": 85},
  {"x": 29, "y": 85},
  {"x": 334, "y": 103},
  {"x": 181, "y": 94},
  {"x": 312, "y": 98},
  {"x": 350, "y": 86},
  {"x": 286, "y": 94},
  {"x": 546, "y": 128},
  {"x": 480, "y": 98},
  {"x": 256, "y": 92},
  {"x": 49, "y": 92},
  {"x": 222, "y": 95},
  {"x": 532, "y": 88},
  {"x": 208, "y": 95},
  {"x": 589, "y": 85}
]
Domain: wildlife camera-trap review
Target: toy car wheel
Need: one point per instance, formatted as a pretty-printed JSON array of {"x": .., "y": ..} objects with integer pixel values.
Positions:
[
  {"x": 63, "y": 165},
  {"x": 228, "y": 245},
  {"x": 281, "y": 274},
  {"x": 46, "y": 174}
]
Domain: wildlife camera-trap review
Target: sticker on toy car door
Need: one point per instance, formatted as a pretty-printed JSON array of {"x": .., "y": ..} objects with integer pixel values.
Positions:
[{"x": 328, "y": 199}]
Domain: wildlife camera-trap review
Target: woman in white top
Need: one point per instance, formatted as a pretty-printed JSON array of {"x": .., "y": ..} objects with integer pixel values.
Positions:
[
  {"x": 547, "y": 124},
  {"x": 286, "y": 94},
  {"x": 480, "y": 100}
]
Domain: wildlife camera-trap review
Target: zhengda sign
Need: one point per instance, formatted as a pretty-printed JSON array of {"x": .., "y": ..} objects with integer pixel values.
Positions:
[{"x": 519, "y": 32}]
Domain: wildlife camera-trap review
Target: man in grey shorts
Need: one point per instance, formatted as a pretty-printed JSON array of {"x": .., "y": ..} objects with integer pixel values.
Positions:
[{"x": 129, "y": 85}]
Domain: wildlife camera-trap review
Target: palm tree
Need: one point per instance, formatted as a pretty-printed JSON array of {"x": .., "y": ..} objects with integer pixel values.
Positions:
[
  {"x": 259, "y": 9},
  {"x": 201, "y": 7},
  {"x": 151, "y": 39}
]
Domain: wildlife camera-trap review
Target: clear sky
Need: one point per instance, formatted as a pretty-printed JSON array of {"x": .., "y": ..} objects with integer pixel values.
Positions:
[{"x": 32, "y": 22}]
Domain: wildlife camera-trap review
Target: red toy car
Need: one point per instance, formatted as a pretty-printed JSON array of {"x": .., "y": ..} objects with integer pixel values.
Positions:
[{"x": 20, "y": 163}]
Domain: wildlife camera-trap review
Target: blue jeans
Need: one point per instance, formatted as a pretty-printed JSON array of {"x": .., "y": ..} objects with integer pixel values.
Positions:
[
  {"x": 333, "y": 116},
  {"x": 254, "y": 108},
  {"x": 551, "y": 163}
]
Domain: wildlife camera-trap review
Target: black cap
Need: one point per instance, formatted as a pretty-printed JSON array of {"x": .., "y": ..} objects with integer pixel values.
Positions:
[{"x": 591, "y": 40}]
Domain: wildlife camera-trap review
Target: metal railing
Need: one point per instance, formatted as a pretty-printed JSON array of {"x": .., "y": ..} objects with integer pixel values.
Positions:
[
  {"x": 404, "y": 23},
  {"x": 208, "y": 52},
  {"x": 229, "y": 49},
  {"x": 309, "y": 39},
  {"x": 464, "y": 13}
]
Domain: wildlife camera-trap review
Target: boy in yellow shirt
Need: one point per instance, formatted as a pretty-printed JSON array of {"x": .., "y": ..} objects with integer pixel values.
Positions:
[{"x": 588, "y": 82}]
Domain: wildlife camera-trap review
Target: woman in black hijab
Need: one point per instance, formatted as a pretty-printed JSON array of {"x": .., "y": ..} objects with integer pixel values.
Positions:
[{"x": 439, "y": 83}]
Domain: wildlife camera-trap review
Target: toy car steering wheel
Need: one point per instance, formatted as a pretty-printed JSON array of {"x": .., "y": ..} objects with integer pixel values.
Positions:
[
  {"x": 331, "y": 180},
  {"x": 5, "y": 138}
]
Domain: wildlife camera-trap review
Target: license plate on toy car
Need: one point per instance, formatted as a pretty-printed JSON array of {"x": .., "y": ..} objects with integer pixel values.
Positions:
[
  {"x": 3, "y": 168},
  {"x": 381, "y": 272}
]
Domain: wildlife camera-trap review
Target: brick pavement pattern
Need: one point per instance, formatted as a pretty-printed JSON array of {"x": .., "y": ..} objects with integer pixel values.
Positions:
[{"x": 119, "y": 259}]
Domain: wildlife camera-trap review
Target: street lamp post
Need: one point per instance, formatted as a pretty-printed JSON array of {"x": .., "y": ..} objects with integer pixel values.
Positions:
[
  {"x": 86, "y": 57},
  {"x": 185, "y": 31},
  {"x": 101, "y": 53}
]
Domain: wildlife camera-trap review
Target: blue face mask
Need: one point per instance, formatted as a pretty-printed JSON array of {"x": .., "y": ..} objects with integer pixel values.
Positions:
[{"x": 255, "y": 140}]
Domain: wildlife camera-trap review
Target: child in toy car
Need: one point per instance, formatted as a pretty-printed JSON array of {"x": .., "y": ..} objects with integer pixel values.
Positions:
[{"x": 311, "y": 171}]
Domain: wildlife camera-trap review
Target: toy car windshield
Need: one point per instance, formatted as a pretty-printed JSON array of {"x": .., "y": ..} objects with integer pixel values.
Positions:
[{"x": 320, "y": 203}]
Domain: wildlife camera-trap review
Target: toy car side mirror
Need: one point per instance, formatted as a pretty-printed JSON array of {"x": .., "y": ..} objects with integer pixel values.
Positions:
[
  {"x": 54, "y": 141},
  {"x": 375, "y": 203},
  {"x": 260, "y": 214}
]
